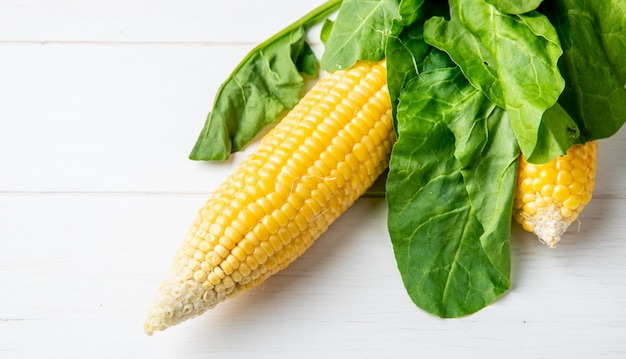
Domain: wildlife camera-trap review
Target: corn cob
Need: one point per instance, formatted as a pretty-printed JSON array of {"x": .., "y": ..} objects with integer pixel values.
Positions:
[
  {"x": 549, "y": 197},
  {"x": 305, "y": 172}
]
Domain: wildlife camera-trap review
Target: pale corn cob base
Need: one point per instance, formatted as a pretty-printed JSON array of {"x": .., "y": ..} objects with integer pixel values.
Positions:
[
  {"x": 550, "y": 197},
  {"x": 301, "y": 188}
]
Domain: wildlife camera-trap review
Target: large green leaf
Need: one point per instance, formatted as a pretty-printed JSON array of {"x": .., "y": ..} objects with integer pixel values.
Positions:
[
  {"x": 593, "y": 34},
  {"x": 515, "y": 7},
  {"x": 449, "y": 190},
  {"x": 360, "y": 32},
  {"x": 266, "y": 82},
  {"x": 410, "y": 11},
  {"x": 407, "y": 53},
  {"x": 511, "y": 58}
]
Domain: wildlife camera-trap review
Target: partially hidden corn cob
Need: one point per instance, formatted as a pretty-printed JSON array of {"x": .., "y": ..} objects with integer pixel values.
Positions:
[
  {"x": 549, "y": 197},
  {"x": 305, "y": 172}
]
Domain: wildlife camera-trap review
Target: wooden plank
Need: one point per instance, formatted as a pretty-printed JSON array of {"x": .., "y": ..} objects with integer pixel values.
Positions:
[
  {"x": 154, "y": 21},
  {"x": 107, "y": 117},
  {"x": 115, "y": 117},
  {"x": 79, "y": 270}
]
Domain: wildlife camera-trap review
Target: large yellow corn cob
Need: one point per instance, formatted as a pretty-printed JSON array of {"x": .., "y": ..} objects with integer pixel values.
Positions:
[
  {"x": 549, "y": 197},
  {"x": 305, "y": 173}
]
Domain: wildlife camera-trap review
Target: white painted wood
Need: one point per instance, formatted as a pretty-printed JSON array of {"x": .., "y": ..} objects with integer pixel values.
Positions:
[
  {"x": 100, "y": 103},
  {"x": 113, "y": 117},
  {"x": 78, "y": 271},
  {"x": 147, "y": 21},
  {"x": 120, "y": 117}
]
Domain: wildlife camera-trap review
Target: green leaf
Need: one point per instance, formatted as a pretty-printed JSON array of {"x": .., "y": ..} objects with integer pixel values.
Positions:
[
  {"x": 593, "y": 34},
  {"x": 449, "y": 190},
  {"x": 306, "y": 62},
  {"x": 561, "y": 130},
  {"x": 436, "y": 59},
  {"x": 515, "y": 7},
  {"x": 266, "y": 82},
  {"x": 407, "y": 53},
  {"x": 360, "y": 32},
  {"x": 511, "y": 58},
  {"x": 327, "y": 27},
  {"x": 410, "y": 11}
]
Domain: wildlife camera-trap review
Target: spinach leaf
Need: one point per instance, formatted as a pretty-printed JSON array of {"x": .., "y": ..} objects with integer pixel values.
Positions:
[
  {"x": 327, "y": 27},
  {"x": 515, "y": 7},
  {"x": 407, "y": 53},
  {"x": 511, "y": 58},
  {"x": 593, "y": 36},
  {"x": 266, "y": 82},
  {"x": 559, "y": 130},
  {"x": 449, "y": 191},
  {"x": 410, "y": 11},
  {"x": 360, "y": 32},
  {"x": 306, "y": 61}
]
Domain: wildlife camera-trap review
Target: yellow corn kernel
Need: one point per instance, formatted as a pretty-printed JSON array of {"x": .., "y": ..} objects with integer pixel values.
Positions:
[
  {"x": 321, "y": 157},
  {"x": 554, "y": 194}
]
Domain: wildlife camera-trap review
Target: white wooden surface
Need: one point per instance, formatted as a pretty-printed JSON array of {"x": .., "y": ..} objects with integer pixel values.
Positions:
[{"x": 100, "y": 103}]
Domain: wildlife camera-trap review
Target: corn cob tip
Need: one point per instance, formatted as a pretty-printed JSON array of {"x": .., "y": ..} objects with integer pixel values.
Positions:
[
  {"x": 550, "y": 196},
  {"x": 179, "y": 299},
  {"x": 549, "y": 225}
]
